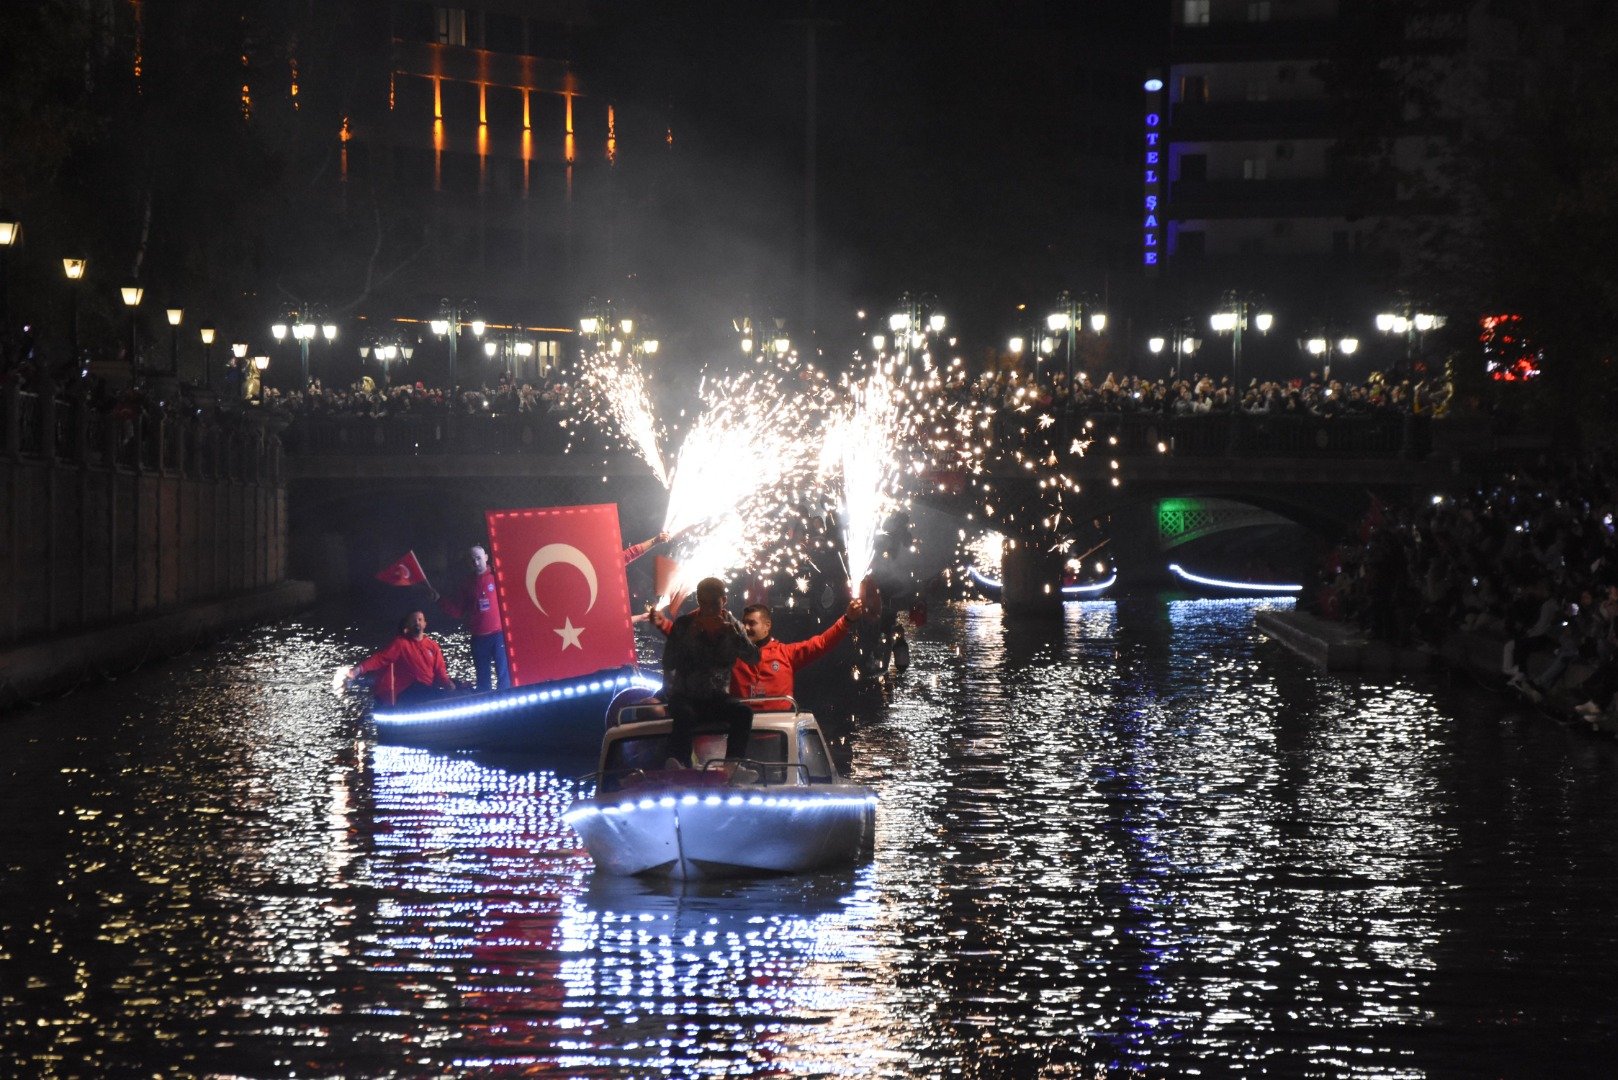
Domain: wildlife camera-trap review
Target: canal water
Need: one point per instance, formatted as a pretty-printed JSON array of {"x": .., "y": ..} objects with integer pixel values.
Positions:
[{"x": 1143, "y": 841}]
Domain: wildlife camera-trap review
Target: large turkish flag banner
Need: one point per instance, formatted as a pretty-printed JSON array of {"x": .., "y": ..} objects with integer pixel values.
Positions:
[{"x": 564, "y": 599}]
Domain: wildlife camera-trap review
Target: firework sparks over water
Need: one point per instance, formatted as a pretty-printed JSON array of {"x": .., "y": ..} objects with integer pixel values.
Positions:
[
  {"x": 866, "y": 461},
  {"x": 741, "y": 476},
  {"x": 614, "y": 391}
]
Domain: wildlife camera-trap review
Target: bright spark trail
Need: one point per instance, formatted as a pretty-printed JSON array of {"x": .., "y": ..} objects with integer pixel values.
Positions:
[{"x": 614, "y": 392}]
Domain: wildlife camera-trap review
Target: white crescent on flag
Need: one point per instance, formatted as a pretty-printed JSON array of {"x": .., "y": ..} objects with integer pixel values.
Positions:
[{"x": 560, "y": 553}]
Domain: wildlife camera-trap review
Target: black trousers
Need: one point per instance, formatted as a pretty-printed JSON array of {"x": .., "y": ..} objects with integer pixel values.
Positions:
[{"x": 689, "y": 712}]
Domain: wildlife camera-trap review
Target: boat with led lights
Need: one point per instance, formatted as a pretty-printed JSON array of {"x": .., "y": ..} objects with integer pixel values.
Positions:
[
  {"x": 1212, "y": 586},
  {"x": 784, "y": 810},
  {"x": 992, "y": 589},
  {"x": 561, "y": 718}
]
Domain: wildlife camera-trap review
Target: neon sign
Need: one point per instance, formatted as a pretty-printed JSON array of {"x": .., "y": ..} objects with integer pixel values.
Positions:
[{"x": 1151, "y": 231}]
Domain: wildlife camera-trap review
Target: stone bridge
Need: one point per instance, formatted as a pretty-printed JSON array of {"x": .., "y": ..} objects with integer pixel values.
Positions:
[{"x": 360, "y": 486}]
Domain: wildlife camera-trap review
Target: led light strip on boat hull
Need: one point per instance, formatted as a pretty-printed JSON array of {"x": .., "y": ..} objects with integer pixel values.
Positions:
[
  {"x": 1235, "y": 586},
  {"x": 517, "y": 699},
  {"x": 1067, "y": 590},
  {"x": 668, "y": 802}
]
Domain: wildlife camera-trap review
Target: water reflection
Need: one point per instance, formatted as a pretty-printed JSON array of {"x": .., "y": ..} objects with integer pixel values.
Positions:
[{"x": 1141, "y": 840}]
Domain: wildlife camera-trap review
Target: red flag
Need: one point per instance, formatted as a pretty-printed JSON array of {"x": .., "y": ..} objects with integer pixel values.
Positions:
[
  {"x": 405, "y": 570},
  {"x": 564, "y": 598}
]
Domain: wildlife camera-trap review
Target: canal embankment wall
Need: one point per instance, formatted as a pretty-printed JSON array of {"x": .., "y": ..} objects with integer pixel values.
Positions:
[
  {"x": 1338, "y": 646},
  {"x": 131, "y": 533}
]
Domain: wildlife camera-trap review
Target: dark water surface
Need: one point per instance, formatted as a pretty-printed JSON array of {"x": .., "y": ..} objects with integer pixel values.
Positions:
[{"x": 1143, "y": 841}]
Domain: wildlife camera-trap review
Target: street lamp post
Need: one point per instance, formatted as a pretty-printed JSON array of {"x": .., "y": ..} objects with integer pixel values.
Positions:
[
  {"x": 132, "y": 294},
  {"x": 1181, "y": 344},
  {"x": 261, "y": 364},
  {"x": 915, "y": 321},
  {"x": 304, "y": 329},
  {"x": 448, "y": 324},
  {"x": 1233, "y": 320},
  {"x": 74, "y": 270},
  {"x": 10, "y": 233},
  {"x": 1411, "y": 325},
  {"x": 1068, "y": 319},
  {"x": 1327, "y": 347},
  {"x": 238, "y": 349},
  {"x": 174, "y": 316},
  {"x": 206, "y": 332}
]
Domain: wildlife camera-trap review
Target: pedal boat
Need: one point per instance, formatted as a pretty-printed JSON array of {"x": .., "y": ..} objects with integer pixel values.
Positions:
[{"x": 785, "y": 810}]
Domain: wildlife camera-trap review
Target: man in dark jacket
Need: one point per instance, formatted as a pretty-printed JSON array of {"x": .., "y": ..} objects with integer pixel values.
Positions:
[{"x": 702, "y": 648}]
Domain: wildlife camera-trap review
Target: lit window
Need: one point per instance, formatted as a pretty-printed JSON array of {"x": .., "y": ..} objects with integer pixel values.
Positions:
[
  {"x": 1258, "y": 11},
  {"x": 1254, "y": 169},
  {"x": 450, "y": 25},
  {"x": 1196, "y": 12}
]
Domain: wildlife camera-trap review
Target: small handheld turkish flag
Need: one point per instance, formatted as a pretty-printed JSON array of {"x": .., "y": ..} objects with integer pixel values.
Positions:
[
  {"x": 564, "y": 599},
  {"x": 405, "y": 570}
]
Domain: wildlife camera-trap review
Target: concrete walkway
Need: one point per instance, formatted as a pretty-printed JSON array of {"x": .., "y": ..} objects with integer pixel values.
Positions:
[
  {"x": 53, "y": 665},
  {"x": 1340, "y": 647}
]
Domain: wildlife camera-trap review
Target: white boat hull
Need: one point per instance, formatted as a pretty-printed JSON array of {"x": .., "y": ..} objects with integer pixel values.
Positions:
[{"x": 699, "y": 830}]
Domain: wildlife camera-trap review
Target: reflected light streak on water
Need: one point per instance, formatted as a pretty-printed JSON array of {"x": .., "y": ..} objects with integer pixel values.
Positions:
[{"x": 1138, "y": 841}]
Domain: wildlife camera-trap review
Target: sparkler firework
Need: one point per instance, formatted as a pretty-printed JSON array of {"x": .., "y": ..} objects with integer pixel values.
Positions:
[
  {"x": 741, "y": 476},
  {"x": 615, "y": 391},
  {"x": 864, "y": 453}
]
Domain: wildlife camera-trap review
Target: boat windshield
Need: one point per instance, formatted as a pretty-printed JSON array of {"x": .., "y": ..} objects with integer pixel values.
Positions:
[
  {"x": 649, "y": 752},
  {"x": 812, "y": 753}
]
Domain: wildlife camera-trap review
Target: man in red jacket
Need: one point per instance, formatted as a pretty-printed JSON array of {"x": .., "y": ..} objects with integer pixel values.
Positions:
[
  {"x": 772, "y": 676},
  {"x": 475, "y": 601},
  {"x": 414, "y": 663}
]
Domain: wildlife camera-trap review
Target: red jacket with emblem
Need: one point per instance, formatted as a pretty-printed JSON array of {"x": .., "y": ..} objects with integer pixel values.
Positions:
[
  {"x": 778, "y": 660},
  {"x": 475, "y": 601}
]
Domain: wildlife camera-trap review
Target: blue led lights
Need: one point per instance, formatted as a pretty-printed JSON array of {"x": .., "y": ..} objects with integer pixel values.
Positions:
[
  {"x": 1235, "y": 586},
  {"x": 485, "y": 707},
  {"x": 668, "y": 802},
  {"x": 1067, "y": 590}
]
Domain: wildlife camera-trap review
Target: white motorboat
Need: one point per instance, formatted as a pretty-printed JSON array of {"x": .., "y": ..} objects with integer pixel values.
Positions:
[{"x": 782, "y": 810}]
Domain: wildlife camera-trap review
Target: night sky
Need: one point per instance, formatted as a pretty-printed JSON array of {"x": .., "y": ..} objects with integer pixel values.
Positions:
[{"x": 951, "y": 149}]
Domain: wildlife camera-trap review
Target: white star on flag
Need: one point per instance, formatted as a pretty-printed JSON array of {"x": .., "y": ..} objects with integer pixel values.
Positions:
[{"x": 570, "y": 635}]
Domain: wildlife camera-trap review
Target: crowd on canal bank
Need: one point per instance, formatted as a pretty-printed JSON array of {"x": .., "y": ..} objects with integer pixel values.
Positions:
[{"x": 1529, "y": 560}]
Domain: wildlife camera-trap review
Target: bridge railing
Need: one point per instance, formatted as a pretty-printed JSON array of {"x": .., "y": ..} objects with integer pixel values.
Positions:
[
  {"x": 1252, "y": 435},
  {"x": 1131, "y": 434},
  {"x": 426, "y": 433},
  {"x": 67, "y": 431}
]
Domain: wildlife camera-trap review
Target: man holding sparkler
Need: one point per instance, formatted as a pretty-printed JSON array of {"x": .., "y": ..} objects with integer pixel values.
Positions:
[
  {"x": 703, "y": 647},
  {"x": 771, "y": 677}
]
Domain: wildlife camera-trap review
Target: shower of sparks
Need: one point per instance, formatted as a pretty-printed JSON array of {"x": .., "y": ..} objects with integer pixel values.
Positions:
[
  {"x": 613, "y": 391},
  {"x": 741, "y": 476},
  {"x": 984, "y": 552},
  {"x": 865, "y": 460}
]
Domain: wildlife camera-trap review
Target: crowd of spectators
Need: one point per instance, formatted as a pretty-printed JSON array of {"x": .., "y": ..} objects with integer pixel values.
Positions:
[
  {"x": 367, "y": 398},
  {"x": 1530, "y": 560},
  {"x": 1198, "y": 394}
]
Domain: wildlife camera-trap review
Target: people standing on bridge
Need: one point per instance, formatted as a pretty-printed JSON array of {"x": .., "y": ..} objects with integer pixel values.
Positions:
[
  {"x": 476, "y": 602},
  {"x": 414, "y": 664},
  {"x": 703, "y": 647},
  {"x": 767, "y": 683}
]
